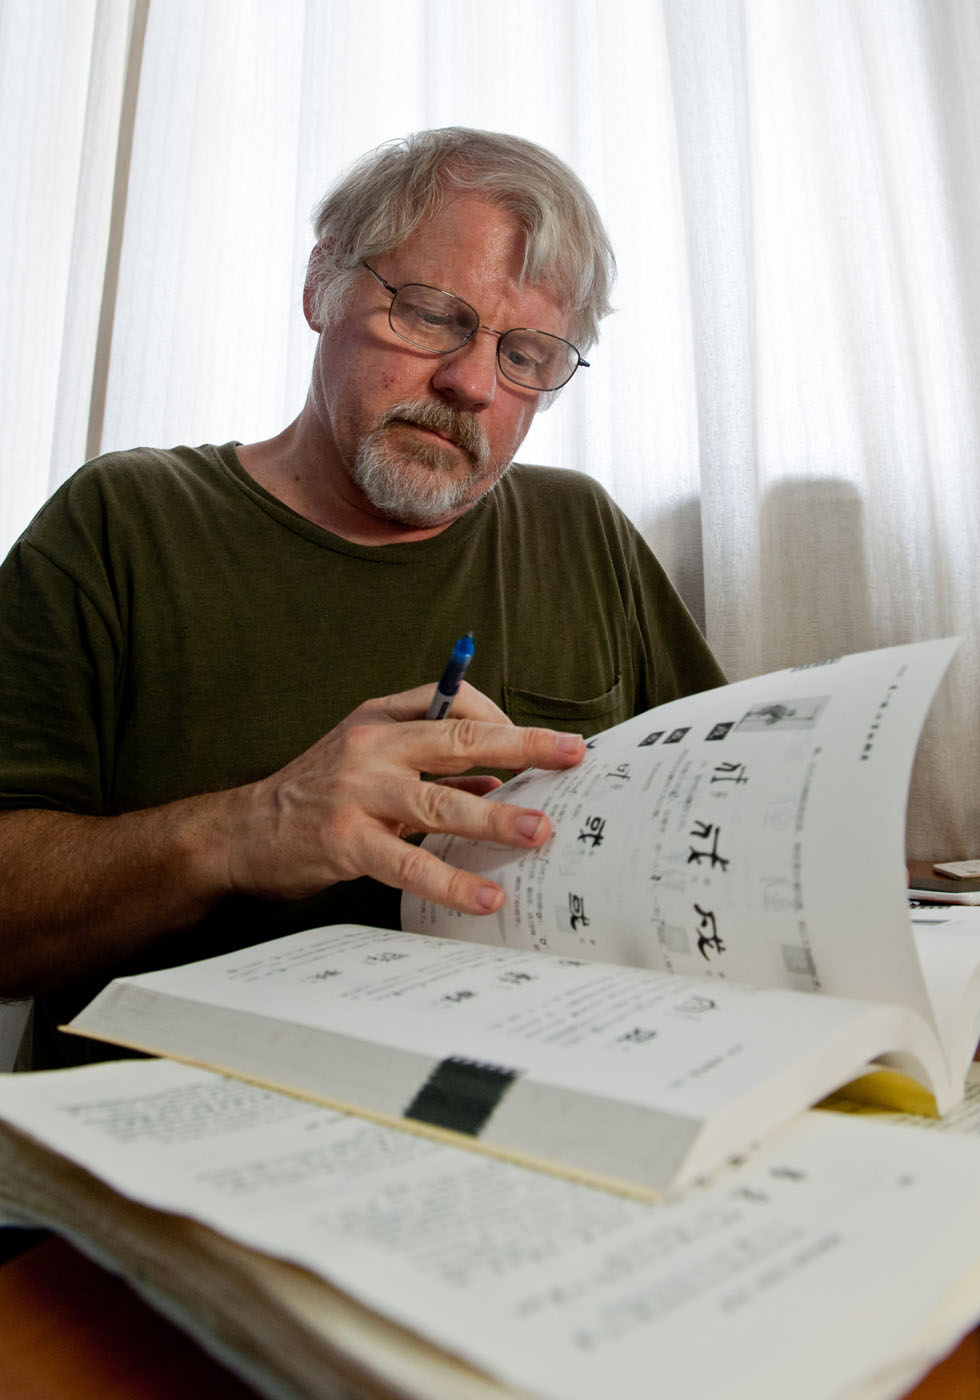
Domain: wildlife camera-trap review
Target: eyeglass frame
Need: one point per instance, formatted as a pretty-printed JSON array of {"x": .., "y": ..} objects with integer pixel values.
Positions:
[{"x": 393, "y": 291}]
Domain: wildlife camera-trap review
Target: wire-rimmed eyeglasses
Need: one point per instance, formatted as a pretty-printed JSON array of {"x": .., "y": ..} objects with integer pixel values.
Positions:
[{"x": 434, "y": 320}]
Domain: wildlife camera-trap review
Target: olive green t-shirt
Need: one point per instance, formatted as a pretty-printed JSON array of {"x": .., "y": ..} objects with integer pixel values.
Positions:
[{"x": 168, "y": 627}]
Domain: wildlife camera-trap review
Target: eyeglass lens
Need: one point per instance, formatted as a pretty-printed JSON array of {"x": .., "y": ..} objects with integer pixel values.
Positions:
[{"x": 440, "y": 322}]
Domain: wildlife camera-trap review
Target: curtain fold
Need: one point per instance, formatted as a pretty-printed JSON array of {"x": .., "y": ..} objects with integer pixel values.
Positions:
[{"x": 787, "y": 399}]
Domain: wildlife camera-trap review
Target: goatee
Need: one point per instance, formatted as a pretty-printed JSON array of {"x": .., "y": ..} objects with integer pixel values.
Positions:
[{"x": 421, "y": 483}]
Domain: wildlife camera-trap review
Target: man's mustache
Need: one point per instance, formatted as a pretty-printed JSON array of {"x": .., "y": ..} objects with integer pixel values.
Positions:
[{"x": 462, "y": 428}]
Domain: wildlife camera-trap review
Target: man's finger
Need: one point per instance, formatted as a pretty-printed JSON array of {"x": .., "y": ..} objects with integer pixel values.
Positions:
[
  {"x": 417, "y": 871},
  {"x": 469, "y": 703},
  {"x": 479, "y": 784},
  {"x": 454, "y": 745},
  {"x": 435, "y": 807}
]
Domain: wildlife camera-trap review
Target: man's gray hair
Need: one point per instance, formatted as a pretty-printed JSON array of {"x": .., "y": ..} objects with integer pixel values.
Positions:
[{"x": 386, "y": 195}]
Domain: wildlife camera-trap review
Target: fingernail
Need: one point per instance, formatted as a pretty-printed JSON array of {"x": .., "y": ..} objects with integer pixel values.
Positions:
[
  {"x": 488, "y": 897},
  {"x": 529, "y": 824},
  {"x": 568, "y": 743}
]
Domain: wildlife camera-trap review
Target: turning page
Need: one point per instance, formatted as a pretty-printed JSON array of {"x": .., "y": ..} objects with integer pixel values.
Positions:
[
  {"x": 755, "y": 832},
  {"x": 947, "y": 939}
]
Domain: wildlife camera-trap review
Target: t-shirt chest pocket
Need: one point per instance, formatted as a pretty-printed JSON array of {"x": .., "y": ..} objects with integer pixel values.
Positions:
[{"x": 586, "y": 717}]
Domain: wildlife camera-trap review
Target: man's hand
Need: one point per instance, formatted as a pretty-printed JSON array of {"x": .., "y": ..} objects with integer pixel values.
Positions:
[
  {"x": 80, "y": 893},
  {"x": 340, "y": 809}
]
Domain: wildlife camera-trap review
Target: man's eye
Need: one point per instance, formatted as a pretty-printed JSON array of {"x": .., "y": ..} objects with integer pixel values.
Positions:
[
  {"x": 528, "y": 357},
  {"x": 425, "y": 317},
  {"x": 518, "y": 360},
  {"x": 423, "y": 312}
]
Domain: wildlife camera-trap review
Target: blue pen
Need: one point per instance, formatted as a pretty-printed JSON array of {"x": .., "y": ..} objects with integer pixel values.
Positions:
[{"x": 452, "y": 678}]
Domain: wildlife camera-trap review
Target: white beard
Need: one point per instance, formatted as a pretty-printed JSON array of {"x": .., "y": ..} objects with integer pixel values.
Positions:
[{"x": 419, "y": 483}]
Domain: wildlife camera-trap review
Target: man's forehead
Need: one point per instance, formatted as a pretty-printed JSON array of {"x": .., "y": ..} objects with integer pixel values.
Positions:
[{"x": 469, "y": 231}]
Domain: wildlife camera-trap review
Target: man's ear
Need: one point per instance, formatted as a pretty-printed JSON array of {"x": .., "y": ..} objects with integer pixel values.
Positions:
[{"x": 313, "y": 270}]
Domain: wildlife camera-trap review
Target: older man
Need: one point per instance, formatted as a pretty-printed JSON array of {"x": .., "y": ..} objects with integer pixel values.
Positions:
[{"x": 188, "y": 757}]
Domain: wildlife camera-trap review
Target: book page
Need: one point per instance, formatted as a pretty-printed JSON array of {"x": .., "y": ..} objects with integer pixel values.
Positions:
[
  {"x": 645, "y": 1077},
  {"x": 948, "y": 943},
  {"x": 754, "y": 832},
  {"x": 794, "y": 1264},
  {"x": 964, "y": 1117}
]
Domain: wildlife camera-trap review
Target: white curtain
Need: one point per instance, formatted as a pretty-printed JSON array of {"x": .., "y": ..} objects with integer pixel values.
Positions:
[{"x": 787, "y": 400}]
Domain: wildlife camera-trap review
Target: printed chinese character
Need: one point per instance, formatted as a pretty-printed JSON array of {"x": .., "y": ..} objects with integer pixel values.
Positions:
[
  {"x": 730, "y": 773},
  {"x": 708, "y": 939},
  {"x": 697, "y": 1003},
  {"x": 702, "y": 831},
  {"x": 593, "y": 831},
  {"x": 620, "y": 774},
  {"x": 576, "y": 908},
  {"x": 639, "y": 1035}
]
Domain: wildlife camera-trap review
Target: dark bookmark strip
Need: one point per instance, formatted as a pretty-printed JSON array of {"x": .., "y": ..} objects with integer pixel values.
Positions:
[{"x": 460, "y": 1094}]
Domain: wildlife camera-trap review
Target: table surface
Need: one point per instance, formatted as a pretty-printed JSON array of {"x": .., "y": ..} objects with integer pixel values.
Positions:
[{"x": 72, "y": 1331}]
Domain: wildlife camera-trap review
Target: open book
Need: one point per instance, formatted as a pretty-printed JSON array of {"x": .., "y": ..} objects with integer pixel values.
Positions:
[
  {"x": 326, "y": 1257},
  {"x": 746, "y": 844}
]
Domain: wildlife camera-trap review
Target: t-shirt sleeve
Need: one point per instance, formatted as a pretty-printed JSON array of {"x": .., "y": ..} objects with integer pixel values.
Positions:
[
  {"x": 678, "y": 660},
  {"x": 59, "y": 663}
]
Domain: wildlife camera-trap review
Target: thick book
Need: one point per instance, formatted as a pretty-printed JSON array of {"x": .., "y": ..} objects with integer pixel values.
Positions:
[
  {"x": 737, "y": 858},
  {"x": 326, "y": 1257}
]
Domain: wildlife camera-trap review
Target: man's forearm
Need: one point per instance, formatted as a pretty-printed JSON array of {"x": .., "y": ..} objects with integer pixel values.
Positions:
[{"x": 77, "y": 893}]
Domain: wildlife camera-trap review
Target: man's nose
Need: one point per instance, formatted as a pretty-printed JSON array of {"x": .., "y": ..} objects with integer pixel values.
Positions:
[{"x": 469, "y": 374}]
